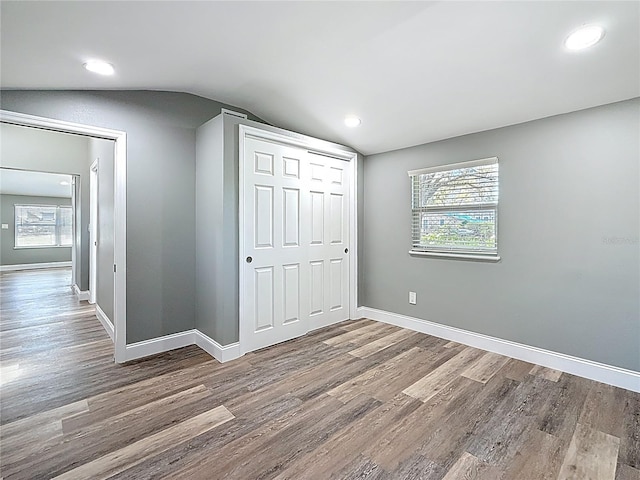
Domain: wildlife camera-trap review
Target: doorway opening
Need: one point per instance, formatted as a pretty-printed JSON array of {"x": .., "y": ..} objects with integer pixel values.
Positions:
[
  {"x": 38, "y": 219},
  {"x": 116, "y": 266}
]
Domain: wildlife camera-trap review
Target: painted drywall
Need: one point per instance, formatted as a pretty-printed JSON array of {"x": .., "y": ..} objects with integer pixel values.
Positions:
[
  {"x": 217, "y": 197},
  {"x": 569, "y": 278},
  {"x": 39, "y": 150},
  {"x": 361, "y": 242},
  {"x": 103, "y": 151},
  {"x": 161, "y": 134},
  {"x": 210, "y": 281},
  {"x": 11, "y": 256}
]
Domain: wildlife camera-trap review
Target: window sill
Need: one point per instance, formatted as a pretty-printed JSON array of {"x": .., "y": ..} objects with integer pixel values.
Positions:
[
  {"x": 456, "y": 256},
  {"x": 41, "y": 246}
]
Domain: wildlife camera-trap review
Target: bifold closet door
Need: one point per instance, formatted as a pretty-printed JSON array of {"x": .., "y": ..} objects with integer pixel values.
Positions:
[{"x": 296, "y": 234}]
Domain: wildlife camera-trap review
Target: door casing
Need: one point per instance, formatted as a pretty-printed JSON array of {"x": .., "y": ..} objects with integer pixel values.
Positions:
[
  {"x": 316, "y": 146},
  {"x": 93, "y": 234}
]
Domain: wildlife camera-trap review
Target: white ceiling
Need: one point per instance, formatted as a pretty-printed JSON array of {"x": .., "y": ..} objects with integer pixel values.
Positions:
[
  {"x": 414, "y": 72},
  {"x": 37, "y": 184}
]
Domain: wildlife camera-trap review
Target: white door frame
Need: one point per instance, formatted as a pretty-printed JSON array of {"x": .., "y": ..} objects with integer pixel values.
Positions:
[
  {"x": 93, "y": 231},
  {"x": 74, "y": 243},
  {"x": 120, "y": 208},
  {"x": 317, "y": 146}
]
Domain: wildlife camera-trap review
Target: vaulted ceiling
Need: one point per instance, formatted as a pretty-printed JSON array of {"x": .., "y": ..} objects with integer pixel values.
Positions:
[{"x": 414, "y": 72}]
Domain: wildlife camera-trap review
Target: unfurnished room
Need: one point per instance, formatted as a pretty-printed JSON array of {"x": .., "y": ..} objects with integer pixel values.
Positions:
[{"x": 320, "y": 240}]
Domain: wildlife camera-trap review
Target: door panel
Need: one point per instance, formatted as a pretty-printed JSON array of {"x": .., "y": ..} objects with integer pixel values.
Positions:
[
  {"x": 335, "y": 175},
  {"x": 291, "y": 167},
  {"x": 317, "y": 287},
  {"x": 317, "y": 218},
  {"x": 263, "y": 163},
  {"x": 335, "y": 283},
  {"x": 335, "y": 216},
  {"x": 291, "y": 290},
  {"x": 291, "y": 217},
  {"x": 264, "y": 298},
  {"x": 296, "y": 229},
  {"x": 264, "y": 216},
  {"x": 333, "y": 183},
  {"x": 317, "y": 172}
]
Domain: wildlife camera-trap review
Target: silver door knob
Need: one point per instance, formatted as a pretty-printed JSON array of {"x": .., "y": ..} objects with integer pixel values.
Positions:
[{"x": 249, "y": 259}]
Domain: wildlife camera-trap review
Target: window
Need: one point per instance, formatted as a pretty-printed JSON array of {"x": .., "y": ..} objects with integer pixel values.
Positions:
[
  {"x": 43, "y": 226},
  {"x": 455, "y": 209}
]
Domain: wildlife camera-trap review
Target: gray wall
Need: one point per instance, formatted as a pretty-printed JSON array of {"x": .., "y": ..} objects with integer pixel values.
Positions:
[
  {"x": 11, "y": 256},
  {"x": 569, "y": 231},
  {"x": 53, "y": 152},
  {"x": 102, "y": 151},
  {"x": 210, "y": 274},
  {"x": 217, "y": 200},
  {"x": 161, "y": 138}
]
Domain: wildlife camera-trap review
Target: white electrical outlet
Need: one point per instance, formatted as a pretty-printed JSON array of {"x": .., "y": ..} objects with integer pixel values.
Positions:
[
  {"x": 412, "y": 298},
  {"x": 5, "y": 226}
]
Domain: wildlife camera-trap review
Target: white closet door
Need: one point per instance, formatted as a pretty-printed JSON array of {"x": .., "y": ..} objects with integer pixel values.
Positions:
[
  {"x": 328, "y": 245},
  {"x": 296, "y": 226}
]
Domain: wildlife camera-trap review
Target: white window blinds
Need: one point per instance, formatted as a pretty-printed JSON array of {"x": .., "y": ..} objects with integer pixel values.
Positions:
[
  {"x": 455, "y": 208},
  {"x": 43, "y": 226}
]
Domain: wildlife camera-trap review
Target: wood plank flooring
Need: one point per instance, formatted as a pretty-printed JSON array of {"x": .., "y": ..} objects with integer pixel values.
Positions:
[{"x": 358, "y": 400}]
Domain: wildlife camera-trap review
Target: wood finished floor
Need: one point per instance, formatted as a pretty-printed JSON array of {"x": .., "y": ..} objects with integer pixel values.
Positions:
[{"x": 359, "y": 400}]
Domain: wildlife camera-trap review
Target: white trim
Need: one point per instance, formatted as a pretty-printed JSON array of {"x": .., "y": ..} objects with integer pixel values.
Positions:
[
  {"x": 600, "y": 372},
  {"x": 314, "y": 145},
  {"x": 241, "y": 280},
  {"x": 153, "y": 346},
  {"x": 119, "y": 213},
  {"x": 74, "y": 231},
  {"x": 93, "y": 230},
  {"x": 104, "y": 320},
  {"x": 33, "y": 266},
  {"x": 120, "y": 246},
  {"x": 83, "y": 295},
  {"x": 454, "y": 166},
  {"x": 162, "y": 344},
  {"x": 222, "y": 353},
  {"x": 353, "y": 240},
  {"x": 460, "y": 256}
]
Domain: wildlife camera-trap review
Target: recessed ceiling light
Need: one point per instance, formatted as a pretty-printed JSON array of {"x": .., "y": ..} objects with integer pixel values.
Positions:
[
  {"x": 64, "y": 182},
  {"x": 99, "y": 67},
  {"x": 585, "y": 37},
  {"x": 352, "y": 121}
]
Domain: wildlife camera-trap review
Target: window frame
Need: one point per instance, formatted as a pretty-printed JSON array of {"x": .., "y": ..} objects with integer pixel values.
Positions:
[
  {"x": 57, "y": 225},
  {"x": 453, "y": 252}
]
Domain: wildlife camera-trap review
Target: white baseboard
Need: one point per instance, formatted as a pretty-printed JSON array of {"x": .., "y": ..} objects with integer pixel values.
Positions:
[
  {"x": 222, "y": 353},
  {"x": 619, "y": 377},
  {"x": 163, "y": 344},
  {"x": 33, "y": 266},
  {"x": 104, "y": 320},
  {"x": 83, "y": 295}
]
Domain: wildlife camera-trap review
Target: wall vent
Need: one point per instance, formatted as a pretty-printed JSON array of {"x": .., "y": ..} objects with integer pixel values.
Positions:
[{"x": 235, "y": 114}]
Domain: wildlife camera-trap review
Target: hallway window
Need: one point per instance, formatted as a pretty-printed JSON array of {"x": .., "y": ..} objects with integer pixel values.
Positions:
[{"x": 43, "y": 226}]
